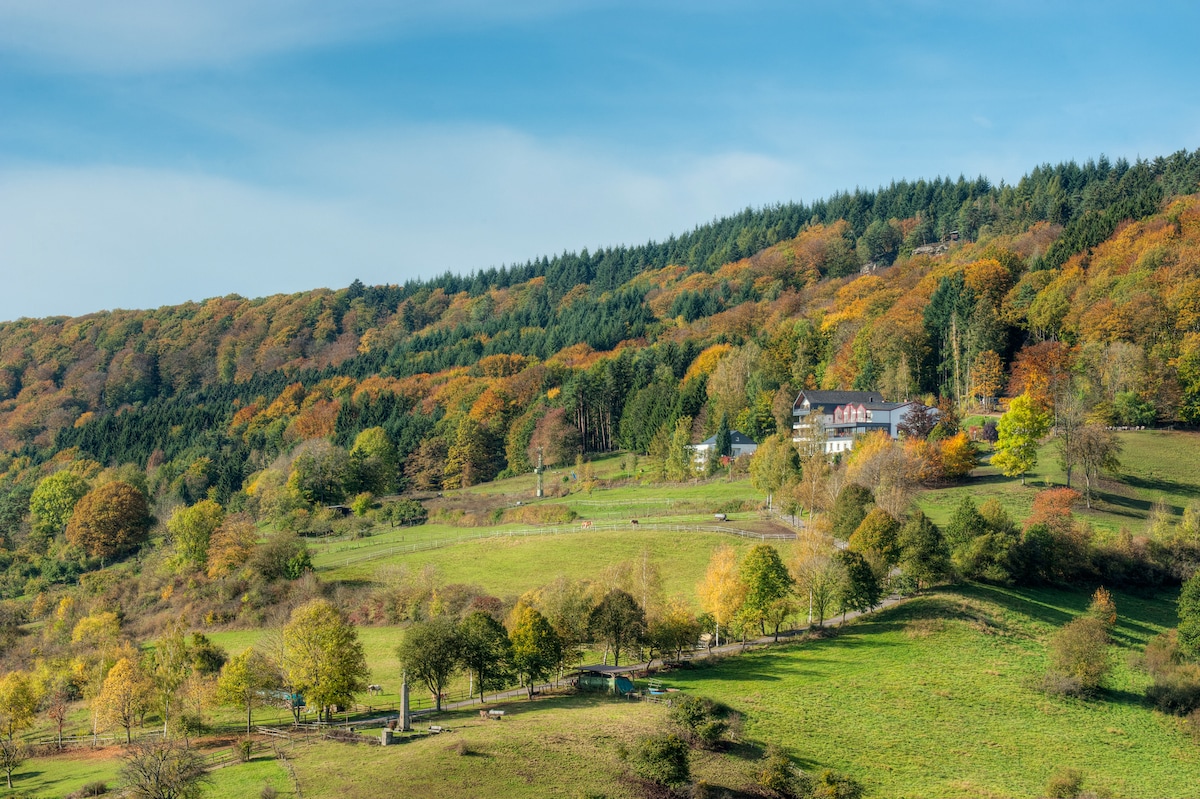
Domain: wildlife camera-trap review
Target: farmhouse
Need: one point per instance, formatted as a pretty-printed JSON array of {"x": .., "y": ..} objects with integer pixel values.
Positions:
[
  {"x": 835, "y": 418},
  {"x": 740, "y": 444}
]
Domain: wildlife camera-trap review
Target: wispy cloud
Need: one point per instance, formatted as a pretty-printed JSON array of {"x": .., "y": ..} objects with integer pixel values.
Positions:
[
  {"x": 140, "y": 35},
  {"x": 384, "y": 208}
]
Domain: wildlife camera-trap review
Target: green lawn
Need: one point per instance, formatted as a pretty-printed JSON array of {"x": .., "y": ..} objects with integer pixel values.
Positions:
[
  {"x": 1155, "y": 465},
  {"x": 938, "y": 697},
  {"x": 551, "y": 747},
  {"x": 510, "y": 566},
  {"x": 60, "y": 775}
]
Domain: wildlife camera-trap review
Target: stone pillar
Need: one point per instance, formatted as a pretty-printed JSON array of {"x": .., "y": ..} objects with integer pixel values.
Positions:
[{"x": 405, "y": 718}]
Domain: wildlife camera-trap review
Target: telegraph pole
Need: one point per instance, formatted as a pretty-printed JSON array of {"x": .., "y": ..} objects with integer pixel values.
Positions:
[{"x": 540, "y": 494}]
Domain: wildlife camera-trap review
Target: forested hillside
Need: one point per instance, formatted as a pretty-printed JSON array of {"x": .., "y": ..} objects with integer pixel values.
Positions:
[{"x": 1083, "y": 274}]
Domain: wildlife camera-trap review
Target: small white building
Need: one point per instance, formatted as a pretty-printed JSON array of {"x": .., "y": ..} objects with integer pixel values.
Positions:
[
  {"x": 838, "y": 417},
  {"x": 740, "y": 444}
]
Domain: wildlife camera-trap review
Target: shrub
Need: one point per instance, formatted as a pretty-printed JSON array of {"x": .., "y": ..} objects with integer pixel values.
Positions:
[
  {"x": 1065, "y": 783},
  {"x": 1162, "y": 654},
  {"x": 243, "y": 748},
  {"x": 1080, "y": 650},
  {"x": 831, "y": 785},
  {"x": 268, "y": 792},
  {"x": 664, "y": 759},
  {"x": 1176, "y": 690},
  {"x": 701, "y": 719},
  {"x": 1103, "y": 608},
  {"x": 1059, "y": 684},
  {"x": 97, "y": 788},
  {"x": 778, "y": 775}
]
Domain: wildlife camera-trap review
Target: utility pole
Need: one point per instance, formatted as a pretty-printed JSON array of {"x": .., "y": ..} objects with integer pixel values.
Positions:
[{"x": 540, "y": 494}]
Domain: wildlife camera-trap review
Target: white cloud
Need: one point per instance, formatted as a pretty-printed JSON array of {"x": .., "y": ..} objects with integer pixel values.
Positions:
[
  {"x": 139, "y": 35},
  {"x": 384, "y": 209}
]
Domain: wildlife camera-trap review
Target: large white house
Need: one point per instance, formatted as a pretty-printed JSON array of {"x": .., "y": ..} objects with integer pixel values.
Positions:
[{"x": 837, "y": 417}]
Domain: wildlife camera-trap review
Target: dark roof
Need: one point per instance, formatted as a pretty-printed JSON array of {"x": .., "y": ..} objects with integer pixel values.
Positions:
[
  {"x": 831, "y": 399},
  {"x": 734, "y": 438},
  {"x": 885, "y": 406}
]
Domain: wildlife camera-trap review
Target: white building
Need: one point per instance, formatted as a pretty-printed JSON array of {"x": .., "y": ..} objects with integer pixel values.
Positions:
[
  {"x": 740, "y": 444},
  {"x": 838, "y": 417}
]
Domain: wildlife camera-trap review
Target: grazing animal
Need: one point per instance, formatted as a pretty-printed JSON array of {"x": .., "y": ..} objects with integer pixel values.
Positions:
[
  {"x": 633, "y": 521},
  {"x": 585, "y": 525},
  {"x": 374, "y": 689}
]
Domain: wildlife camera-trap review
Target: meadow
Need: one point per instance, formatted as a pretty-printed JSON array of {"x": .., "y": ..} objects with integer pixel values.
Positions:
[
  {"x": 939, "y": 696},
  {"x": 935, "y": 697},
  {"x": 1156, "y": 466}
]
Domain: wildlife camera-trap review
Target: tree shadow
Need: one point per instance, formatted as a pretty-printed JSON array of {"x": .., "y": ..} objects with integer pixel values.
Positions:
[
  {"x": 1118, "y": 696},
  {"x": 1121, "y": 505},
  {"x": 1161, "y": 485},
  {"x": 1026, "y": 602}
]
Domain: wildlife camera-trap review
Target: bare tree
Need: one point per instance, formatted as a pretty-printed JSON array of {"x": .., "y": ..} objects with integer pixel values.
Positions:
[{"x": 163, "y": 770}]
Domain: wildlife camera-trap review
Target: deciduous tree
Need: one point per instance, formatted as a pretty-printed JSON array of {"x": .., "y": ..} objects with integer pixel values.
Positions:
[
  {"x": 124, "y": 695},
  {"x": 774, "y": 464},
  {"x": 431, "y": 652},
  {"x": 246, "y": 681},
  {"x": 19, "y": 698},
  {"x": 618, "y": 621},
  {"x": 923, "y": 553},
  {"x": 53, "y": 501},
  {"x": 536, "y": 649},
  {"x": 721, "y": 591},
  {"x": 192, "y": 529},
  {"x": 163, "y": 770},
  {"x": 109, "y": 520},
  {"x": 768, "y": 588},
  {"x": 12, "y": 755},
  {"x": 323, "y": 657},
  {"x": 860, "y": 591},
  {"x": 1019, "y": 431},
  {"x": 485, "y": 649}
]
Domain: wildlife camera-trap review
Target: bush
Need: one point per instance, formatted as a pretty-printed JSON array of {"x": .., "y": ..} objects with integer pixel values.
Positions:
[
  {"x": 831, "y": 785},
  {"x": 778, "y": 775},
  {"x": 701, "y": 720},
  {"x": 1080, "y": 650},
  {"x": 243, "y": 748},
  {"x": 1176, "y": 690},
  {"x": 664, "y": 759},
  {"x": 97, "y": 788},
  {"x": 1065, "y": 783},
  {"x": 268, "y": 792},
  {"x": 1103, "y": 608},
  {"x": 1058, "y": 684}
]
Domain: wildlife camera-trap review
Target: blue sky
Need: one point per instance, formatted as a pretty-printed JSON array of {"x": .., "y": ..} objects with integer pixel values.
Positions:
[{"x": 154, "y": 152}]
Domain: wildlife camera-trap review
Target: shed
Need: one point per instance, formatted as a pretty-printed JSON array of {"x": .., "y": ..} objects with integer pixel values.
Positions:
[{"x": 600, "y": 680}]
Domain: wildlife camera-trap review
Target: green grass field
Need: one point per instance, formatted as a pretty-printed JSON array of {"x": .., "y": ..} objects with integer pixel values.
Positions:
[
  {"x": 510, "y": 566},
  {"x": 938, "y": 697},
  {"x": 565, "y": 746},
  {"x": 1155, "y": 465},
  {"x": 59, "y": 775}
]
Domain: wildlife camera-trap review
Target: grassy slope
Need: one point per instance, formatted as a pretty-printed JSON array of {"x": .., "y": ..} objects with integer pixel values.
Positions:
[
  {"x": 552, "y": 747},
  {"x": 62, "y": 774},
  {"x": 1154, "y": 465},
  {"x": 914, "y": 706}
]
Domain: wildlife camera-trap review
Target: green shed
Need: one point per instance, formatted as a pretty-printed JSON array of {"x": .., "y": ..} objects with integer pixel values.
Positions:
[{"x": 608, "y": 683}]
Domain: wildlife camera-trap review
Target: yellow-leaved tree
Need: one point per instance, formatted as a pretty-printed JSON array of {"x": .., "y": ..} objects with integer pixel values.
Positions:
[{"x": 721, "y": 591}]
